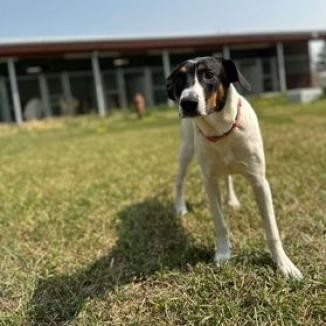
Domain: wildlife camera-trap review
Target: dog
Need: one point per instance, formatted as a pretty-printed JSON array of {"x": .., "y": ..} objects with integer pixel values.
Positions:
[{"x": 221, "y": 128}]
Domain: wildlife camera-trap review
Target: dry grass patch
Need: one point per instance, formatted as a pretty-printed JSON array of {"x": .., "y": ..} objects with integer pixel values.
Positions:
[{"x": 89, "y": 236}]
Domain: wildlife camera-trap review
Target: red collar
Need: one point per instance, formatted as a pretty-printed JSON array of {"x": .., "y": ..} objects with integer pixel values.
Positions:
[{"x": 235, "y": 124}]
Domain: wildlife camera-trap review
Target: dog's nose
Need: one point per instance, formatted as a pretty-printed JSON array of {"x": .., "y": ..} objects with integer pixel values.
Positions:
[{"x": 189, "y": 106}]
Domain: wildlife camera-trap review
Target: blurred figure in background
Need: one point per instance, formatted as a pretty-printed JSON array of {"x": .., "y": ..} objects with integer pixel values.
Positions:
[{"x": 139, "y": 104}]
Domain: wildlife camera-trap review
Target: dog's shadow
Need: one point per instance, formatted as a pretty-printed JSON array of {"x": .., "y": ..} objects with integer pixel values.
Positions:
[{"x": 151, "y": 238}]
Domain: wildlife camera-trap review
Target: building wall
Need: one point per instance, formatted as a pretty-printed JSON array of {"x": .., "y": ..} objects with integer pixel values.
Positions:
[
  {"x": 6, "y": 111},
  {"x": 297, "y": 65},
  {"x": 71, "y": 76},
  {"x": 259, "y": 65}
]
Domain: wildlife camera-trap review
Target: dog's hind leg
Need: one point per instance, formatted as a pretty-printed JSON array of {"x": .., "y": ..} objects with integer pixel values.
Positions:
[
  {"x": 264, "y": 200},
  {"x": 231, "y": 197},
  {"x": 185, "y": 156}
]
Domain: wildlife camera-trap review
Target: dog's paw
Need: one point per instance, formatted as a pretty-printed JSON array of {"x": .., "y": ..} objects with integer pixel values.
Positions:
[
  {"x": 221, "y": 257},
  {"x": 181, "y": 209},
  {"x": 233, "y": 203},
  {"x": 288, "y": 269}
]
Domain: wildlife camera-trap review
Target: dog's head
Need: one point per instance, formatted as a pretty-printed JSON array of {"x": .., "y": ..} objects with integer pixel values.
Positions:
[{"x": 200, "y": 85}]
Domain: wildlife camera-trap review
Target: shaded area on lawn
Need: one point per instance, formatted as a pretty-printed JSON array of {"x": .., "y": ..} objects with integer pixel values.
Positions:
[
  {"x": 151, "y": 238},
  {"x": 166, "y": 277}
]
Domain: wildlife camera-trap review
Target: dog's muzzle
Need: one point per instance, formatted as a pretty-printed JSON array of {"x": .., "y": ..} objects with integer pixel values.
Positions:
[{"x": 189, "y": 107}]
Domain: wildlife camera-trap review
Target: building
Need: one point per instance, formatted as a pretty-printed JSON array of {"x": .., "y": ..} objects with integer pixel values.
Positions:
[{"x": 81, "y": 76}]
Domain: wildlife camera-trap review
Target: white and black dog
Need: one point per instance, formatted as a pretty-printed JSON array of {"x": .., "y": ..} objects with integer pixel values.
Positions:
[{"x": 223, "y": 131}]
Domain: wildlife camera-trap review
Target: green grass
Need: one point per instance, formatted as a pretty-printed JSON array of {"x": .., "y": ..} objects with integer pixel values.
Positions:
[{"x": 88, "y": 234}]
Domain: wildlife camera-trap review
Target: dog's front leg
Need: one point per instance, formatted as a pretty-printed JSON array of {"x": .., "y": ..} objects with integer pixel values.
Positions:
[
  {"x": 223, "y": 251},
  {"x": 264, "y": 200},
  {"x": 185, "y": 156}
]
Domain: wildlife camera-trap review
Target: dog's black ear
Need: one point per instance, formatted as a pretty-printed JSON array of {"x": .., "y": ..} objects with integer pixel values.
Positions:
[
  {"x": 233, "y": 74},
  {"x": 170, "y": 82},
  {"x": 170, "y": 86}
]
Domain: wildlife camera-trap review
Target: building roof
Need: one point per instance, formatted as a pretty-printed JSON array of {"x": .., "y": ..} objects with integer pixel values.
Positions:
[{"x": 128, "y": 45}]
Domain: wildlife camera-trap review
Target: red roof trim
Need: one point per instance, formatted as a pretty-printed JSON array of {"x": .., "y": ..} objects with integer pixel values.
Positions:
[{"x": 143, "y": 45}]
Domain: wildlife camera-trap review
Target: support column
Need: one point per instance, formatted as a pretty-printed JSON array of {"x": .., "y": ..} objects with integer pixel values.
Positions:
[
  {"x": 281, "y": 67},
  {"x": 226, "y": 52},
  {"x": 14, "y": 90},
  {"x": 149, "y": 87},
  {"x": 4, "y": 105},
  {"x": 312, "y": 80},
  {"x": 45, "y": 97},
  {"x": 98, "y": 84},
  {"x": 121, "y": 88},
  {"x": 167, "y": 69},
  {"x": 166, "y": 63},
  {"x": 65, "y": 84}
]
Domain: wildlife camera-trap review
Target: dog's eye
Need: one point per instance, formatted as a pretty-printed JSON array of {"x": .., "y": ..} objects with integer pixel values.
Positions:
[{"x": 208, "y": 75}]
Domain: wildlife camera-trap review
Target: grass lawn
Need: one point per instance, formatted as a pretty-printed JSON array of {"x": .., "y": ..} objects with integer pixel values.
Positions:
[{"x": 89, "y": 237}]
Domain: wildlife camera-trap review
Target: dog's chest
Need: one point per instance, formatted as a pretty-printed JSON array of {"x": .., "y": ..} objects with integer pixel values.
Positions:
[
  {"x": 220, "y": 154},
  {"x": 224, "y": 157}
]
